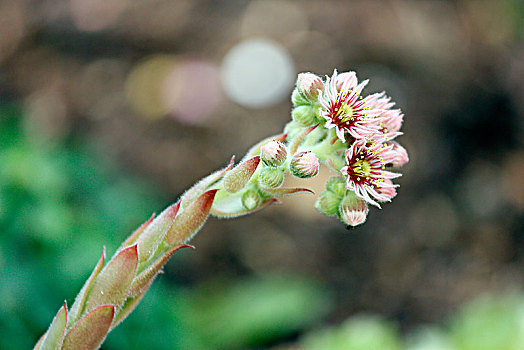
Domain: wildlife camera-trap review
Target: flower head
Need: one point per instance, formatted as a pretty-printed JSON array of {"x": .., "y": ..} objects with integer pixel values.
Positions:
[
  {"x": 365, "y": 171},
  {"x": 346, "y": 110}
]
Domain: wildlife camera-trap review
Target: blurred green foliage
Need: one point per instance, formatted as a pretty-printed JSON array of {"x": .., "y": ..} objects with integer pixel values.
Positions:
[
  {"x": 490, "y": 323},
  {"x": 361, "y": 332},
  {"x": 487, "y": 323},
  {"x": 60, "y": 203}
]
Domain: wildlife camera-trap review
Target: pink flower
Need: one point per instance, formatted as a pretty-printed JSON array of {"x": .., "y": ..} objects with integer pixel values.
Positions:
[
  {"x": 365, "y": 171},
  {"x": 401, "y": 157},
  {"x": 389, "y": 121},
  {"x": 344, "y": 108},
  {"x": 389, "y": 190}
]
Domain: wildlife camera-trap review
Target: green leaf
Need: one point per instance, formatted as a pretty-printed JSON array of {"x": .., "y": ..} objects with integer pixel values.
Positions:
[
  {"x": 154, "y": 234},
  {"x": 146, "y": 277},
  {"x": 134, "y": 236},
  {"x": 78, "y": 306},
  {"x": 190, "y": 195},
  {"x": 54, "y": 336},
  {"x": 233, "y": 207}
]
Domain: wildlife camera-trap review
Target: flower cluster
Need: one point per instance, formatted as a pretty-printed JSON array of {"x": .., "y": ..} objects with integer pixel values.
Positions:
[
  {"x": 355, "y": 137},
  {"x": 333, "y": 123}
]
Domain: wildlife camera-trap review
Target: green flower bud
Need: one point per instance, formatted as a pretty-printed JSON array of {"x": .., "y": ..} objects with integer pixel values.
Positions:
[
  {"x": 328, "y": 203},
  {"x": 337, "y": 185},
  {"x": 273, "y": 153},
  {"x": 298, "y": 99},
  {"x": 305, "y": 115},
  {"x": 271, "y": 177},
  {"x": 251, "y": 200},
  {"x": 304, "y": 165}
]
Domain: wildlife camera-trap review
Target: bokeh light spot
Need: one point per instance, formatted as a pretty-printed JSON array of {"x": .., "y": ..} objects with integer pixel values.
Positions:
[
  {"x": 192, "y": 91},
  {"x": 145, "y": 83},
  {"x": 257, "y": 73}
]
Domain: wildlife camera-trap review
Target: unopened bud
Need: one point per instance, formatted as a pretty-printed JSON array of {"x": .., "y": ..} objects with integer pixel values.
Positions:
[
  {"x": 304, "y": 164},
  {"x": 251, "y": 200},
  {"x": 305, "y": 115},
  {"x": 352, "y": 211},
  {"x": 402, "y": 155},
  {"x": 309, "y": 84},
  {"x": 271, "y": 177},
  {"x": 348, "y": 80},
  {"x": 328, "y": 203},
  {"x": 273, "y": 153},
  {"x": 298, "y": 99},
  {"x": 337, "y": 185}
]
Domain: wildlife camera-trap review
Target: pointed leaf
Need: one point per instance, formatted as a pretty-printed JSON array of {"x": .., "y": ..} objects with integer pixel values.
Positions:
[
  {"x": 153, "y": 235},
  {"x": 297, "y": 140},
  {"x": 190, "y": 195},
  {"x": 235, "y": 208},
  {"x": 286, "y": 191},
  {"x": 149, "y": 274},
  {"x": 112, "y": 284},
  {"x": 91, "y": 330},
  {"x": 129, "y": 305},
  {"x": 78, "y": 306},
  {"x": 239, "y": 176},
  {"x": 55, "y": 334},
  {"x": 134, "y": 236},
  {"x": 39, "y": 342},
  {"x": 191, "y": 219}
]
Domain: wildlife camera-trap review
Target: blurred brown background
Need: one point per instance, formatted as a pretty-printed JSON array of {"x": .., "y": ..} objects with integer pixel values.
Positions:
[{"x": 169, "y": 90}]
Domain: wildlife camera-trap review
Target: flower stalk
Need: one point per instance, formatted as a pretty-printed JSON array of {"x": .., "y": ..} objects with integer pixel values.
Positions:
[{"x": 332, "y": 123}]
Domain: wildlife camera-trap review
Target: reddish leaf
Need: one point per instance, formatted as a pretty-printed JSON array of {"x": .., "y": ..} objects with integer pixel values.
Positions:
[
  {"x": 134, "y": 236},
  {"x": 153, "y": 235},
  {"x": 54, "y": 336},
  {"x": 286, "y": 191},
  {"x": 190, "y": 195},
  {"x": 147, "y": 276},
  {"x": 91, "y": 330},
  {"x": 112, "y": 284},
  {"x": 239, "y": 176},
  {"x": 191, "y": 219},
  {"x": 297, "y": 140},
  {"x": 128, "y": 306}
]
